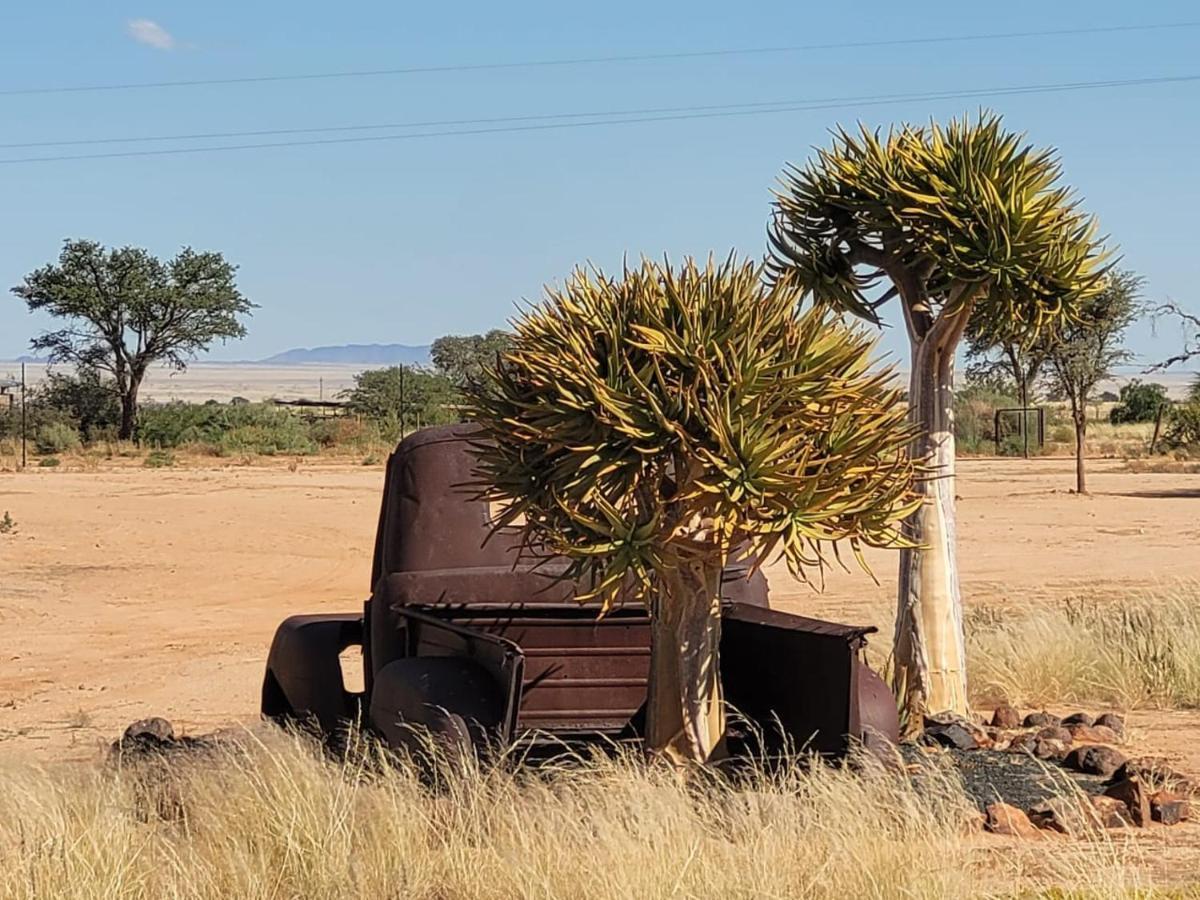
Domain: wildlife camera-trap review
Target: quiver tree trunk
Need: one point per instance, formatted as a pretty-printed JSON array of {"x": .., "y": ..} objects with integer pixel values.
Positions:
[
  {"x": 930, "y": 653},
  {"x": 1080, "y": 417},
  {"x": 685, "y": 714}
]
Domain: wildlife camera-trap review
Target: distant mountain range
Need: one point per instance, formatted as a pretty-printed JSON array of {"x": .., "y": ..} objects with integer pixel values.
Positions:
[{"x": 356, "y": 354}]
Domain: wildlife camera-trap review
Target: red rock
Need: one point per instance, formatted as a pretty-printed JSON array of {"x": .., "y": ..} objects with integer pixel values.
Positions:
[
  {"x": 1006, "y": 716},
  {"x": 1079, "y": 718},
  {"x": 1133, "y": 793},
  {"x": 1092, "y": 734},
  {"x": 1066, "y": 815},
  {"x": 1056, "y": 733},
  {"x": 1000, "y": 818},
  {"x": 1041, "y": 720},
  {"x": 1113, "y": 721},
  {"x": 1111, "y": 812},
  {"x": 1095, "y": 760},
  {"x": 1168, "y": 808}
]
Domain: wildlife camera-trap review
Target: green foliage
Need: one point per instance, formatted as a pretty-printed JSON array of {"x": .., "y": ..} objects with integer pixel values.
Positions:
[
  {"x": 975, "y": 405},
  {"x": 1183, "y": 426},
  {"x": 56, "y": 437},
  {"x": 123, "y": 310},
  {"x": 463, "y": 358},
  {"x": 1086, "y": 349},
  {"x": 227, "y": 429},
  {"x": 1139, "y": 402},
  {"x": 403, "y": 397},
  {"x": 947, "y": 213},
  {"x": 85, "y": 399},
  {"x": 670, "y": 414},
  {"x": 8, "y": 525},
  {"x": 49, "y": 462},
  {"x": 159, "y": 459}
]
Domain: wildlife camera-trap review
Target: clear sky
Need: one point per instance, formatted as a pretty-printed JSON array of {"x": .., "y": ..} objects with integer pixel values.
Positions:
[{"x": 407, "y": 240}]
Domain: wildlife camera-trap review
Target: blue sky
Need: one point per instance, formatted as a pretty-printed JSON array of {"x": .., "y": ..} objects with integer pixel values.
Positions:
[{"x": 404, "y": 241}]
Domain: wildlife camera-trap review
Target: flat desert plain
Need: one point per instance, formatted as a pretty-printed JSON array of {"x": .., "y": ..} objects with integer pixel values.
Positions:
[{"x": 127, "y": 592}]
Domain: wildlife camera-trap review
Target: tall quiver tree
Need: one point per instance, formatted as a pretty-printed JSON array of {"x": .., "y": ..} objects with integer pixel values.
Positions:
[
  {"x": 645, "y": 427},
  {"x": 954, "y": 221}
]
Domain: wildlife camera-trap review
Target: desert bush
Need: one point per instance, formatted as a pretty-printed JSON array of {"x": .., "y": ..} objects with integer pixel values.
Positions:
[
  {"x": 56, "y": 437},
  {"x": 975, "y": 405},
  {"x": 225, "y": 429},
  {"x": 274, "y": 817},
  {"x": 1131, "y": 652},
  {"x": 1183, "y": 427},
  {"x": 159, "y": 459},
  {"x": 49, "y": 462},
  {"x": 1138, "y": 402},
  {"x": 8, "y": 524}
]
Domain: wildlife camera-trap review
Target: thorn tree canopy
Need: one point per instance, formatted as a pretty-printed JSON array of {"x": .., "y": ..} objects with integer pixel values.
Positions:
[
  {"x": 645, "y": 427},
  {"x": 124, "y": 310},
  {"x": 960, "y": 222}
]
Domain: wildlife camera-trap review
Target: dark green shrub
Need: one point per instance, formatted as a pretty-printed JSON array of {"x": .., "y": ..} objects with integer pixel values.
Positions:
[
  {"x": 159, "y": 459},
  {"x": 56, "y": 437},
  {"x": 1183, "y": 427},
  {"x": 975, "y": 405},
  {"x": 1139, "y": 402},
  {"x": 226, "y": 429},
  {"x": 48, "y": 462}
]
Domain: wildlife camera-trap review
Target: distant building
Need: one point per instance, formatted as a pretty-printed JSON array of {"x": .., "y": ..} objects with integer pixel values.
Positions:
[{"x": 8, "y": 390}]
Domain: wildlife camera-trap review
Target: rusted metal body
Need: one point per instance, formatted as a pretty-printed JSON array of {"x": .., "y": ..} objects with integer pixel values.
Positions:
[{"x": 458, "y": 640}]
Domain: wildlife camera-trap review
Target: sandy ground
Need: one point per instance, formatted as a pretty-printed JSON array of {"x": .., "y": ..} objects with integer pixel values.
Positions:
[{"x": 128, "y": 592}]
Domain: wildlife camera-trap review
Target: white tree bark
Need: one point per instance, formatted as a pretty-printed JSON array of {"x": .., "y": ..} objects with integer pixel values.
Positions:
[
  {"x": 930, "y": 647},
  {"x": 685, "y": 709}
]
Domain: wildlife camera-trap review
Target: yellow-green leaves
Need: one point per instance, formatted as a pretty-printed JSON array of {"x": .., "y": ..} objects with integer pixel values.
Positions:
[
  {"x": 674, "y": 411},
  {"x": 930, "y": 208}
]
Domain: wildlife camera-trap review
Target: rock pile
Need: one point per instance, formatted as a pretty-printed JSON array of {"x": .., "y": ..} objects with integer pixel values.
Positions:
[{"x": 1114, "y": 791}]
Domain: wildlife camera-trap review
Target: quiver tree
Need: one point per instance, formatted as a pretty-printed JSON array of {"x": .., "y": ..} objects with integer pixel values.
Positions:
[
  {"x": 957, "y": 222},
  {"x": 123, "y": 310},
  {"x": 647, "y": 427}
]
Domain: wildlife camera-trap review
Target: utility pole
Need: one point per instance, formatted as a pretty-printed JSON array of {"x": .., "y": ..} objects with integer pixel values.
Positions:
[{"x": 23, "y": 415}]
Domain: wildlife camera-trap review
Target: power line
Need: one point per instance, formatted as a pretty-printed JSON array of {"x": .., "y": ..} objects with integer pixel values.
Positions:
[
  {"x": 790, "y": 105},
  {"x": 600, "y": 60},
  {"x": 634, "y": 117}
]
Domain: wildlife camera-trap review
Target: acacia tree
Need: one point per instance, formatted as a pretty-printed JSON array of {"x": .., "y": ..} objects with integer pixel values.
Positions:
[
  {"x": 961, "y": 222},
  {"x": 643, "y": 427},
  {"x": 125, "y": 309},
  {"x": 1085, "y": 349},
  {"x": 462, "y": 358}
]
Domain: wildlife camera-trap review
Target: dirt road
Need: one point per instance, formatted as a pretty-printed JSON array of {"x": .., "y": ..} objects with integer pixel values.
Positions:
[{"x": 128, "y": 592}]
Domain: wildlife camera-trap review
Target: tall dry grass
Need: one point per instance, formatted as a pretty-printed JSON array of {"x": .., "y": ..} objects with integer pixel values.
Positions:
[
  {"x": 273, "y": 818},
  {"x": 1142, "y": 650}
]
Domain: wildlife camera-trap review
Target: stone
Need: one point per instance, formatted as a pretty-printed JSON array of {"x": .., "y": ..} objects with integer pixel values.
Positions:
[
  {"x": 1133, "y": 793},
  {"x": 1168, "y": 808},
  {"x": 1094, "y": 760},
  {"x": 1066, "y": 815},
  {"x": 1111, "y": 812},
  {"x": 1092, "y": 734},
  {"x": 1157, "y": 771},
  {"x": 951, "y": 735},
  {"x": 1113, "y": 721},
  {"x": 1023, "y": 743},
  {"x": 1041, "y": 720},
  {"x": 1005, "y": 716},
  {"x": 157, "y": 728},
  {"x": 1056, "y": 733},
  {"x": 1049, "y": 748},
  {"x": 1000, "y": 818},
  {"x": 1079, "y": 718}
]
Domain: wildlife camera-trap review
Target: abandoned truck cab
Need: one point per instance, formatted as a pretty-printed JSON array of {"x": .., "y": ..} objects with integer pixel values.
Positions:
[{"x": 457, "y": 640}]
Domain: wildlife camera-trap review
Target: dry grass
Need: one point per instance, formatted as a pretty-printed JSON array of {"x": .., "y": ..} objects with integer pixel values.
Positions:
[
  {"x": 1136, "y": 651},
  {"x": 273, "y": 819}
]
